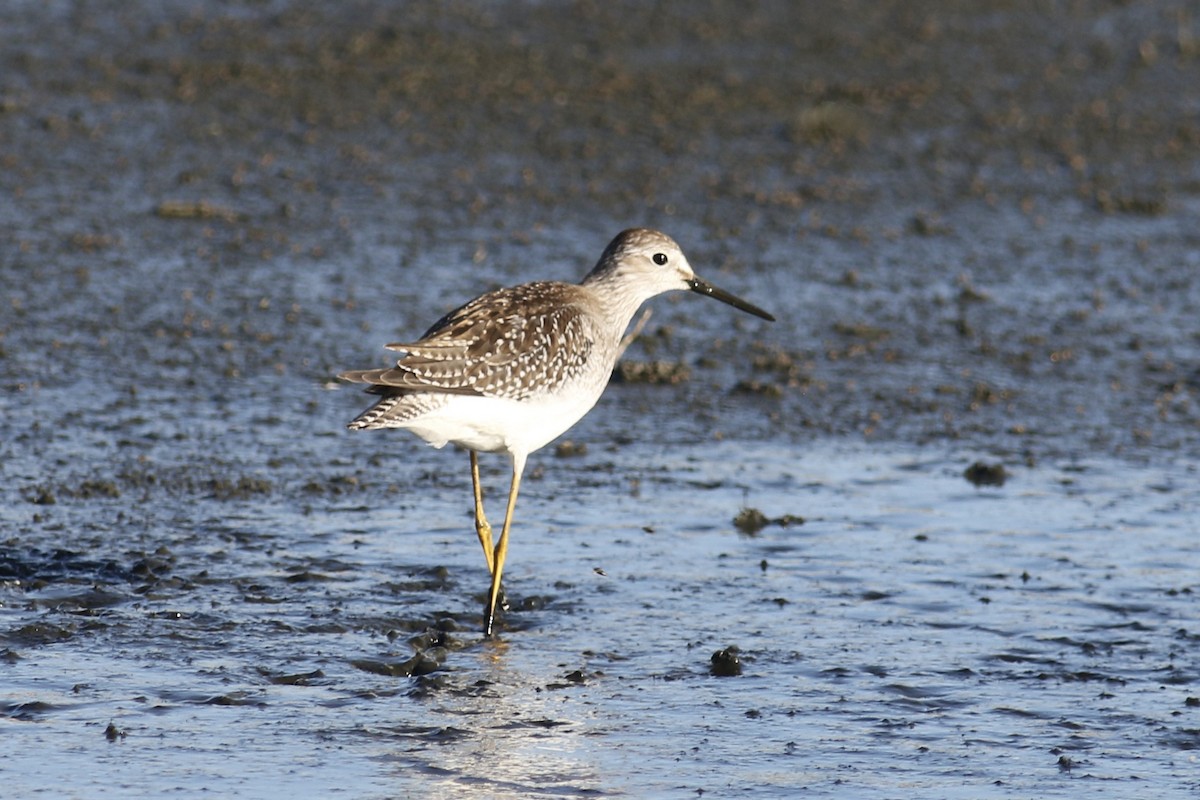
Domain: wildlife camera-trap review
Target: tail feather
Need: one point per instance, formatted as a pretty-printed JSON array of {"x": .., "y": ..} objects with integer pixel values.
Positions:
[
  {"x": 397, "y": 408},
  {"x": 387, "y": 413},
  {"x": 362, "y": 375}
]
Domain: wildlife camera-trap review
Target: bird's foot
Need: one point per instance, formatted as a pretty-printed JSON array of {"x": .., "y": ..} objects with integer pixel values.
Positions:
[{"x": 490, "y": 612}]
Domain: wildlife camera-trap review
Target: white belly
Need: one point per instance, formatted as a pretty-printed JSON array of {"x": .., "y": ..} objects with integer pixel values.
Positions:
[{"x": 498, "y": 425}]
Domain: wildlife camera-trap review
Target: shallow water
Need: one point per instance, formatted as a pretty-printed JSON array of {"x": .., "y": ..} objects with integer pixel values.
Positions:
[
  {"x": 976, "y": 225},
  {"x": 914, "y": 634}
]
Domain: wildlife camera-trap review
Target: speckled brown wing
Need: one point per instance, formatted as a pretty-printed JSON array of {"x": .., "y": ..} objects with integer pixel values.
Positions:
[{"x": 508, "y": 343}]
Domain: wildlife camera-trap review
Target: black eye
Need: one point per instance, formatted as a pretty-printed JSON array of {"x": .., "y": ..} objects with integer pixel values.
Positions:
[{"x": 660, "y": 258}]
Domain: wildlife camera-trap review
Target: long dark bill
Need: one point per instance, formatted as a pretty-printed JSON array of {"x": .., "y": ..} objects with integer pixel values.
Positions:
[{"x": 704, "y": 287}]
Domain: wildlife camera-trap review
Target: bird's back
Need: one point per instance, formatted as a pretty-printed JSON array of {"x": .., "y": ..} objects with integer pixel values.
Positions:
[{"x": 518, "y": 343}]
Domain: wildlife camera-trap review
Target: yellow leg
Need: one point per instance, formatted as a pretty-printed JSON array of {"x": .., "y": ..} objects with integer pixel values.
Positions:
[
  {"x": 482, "y": 528},
  {"x": 502, "y": 545}
]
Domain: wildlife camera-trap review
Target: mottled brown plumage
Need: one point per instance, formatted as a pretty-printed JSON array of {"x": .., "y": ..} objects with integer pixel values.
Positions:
[{"x": 507, "y": 343}]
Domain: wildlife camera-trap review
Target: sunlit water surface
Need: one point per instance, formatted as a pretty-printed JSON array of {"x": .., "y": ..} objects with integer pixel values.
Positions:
[{"x": 914, "y": 636}]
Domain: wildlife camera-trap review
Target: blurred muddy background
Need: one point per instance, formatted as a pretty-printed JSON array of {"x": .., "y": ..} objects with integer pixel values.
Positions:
[{"x": 976, "y": 223}]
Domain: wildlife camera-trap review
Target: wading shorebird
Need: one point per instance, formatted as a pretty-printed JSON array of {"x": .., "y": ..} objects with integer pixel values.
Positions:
[{"x": 515, "y": 368}]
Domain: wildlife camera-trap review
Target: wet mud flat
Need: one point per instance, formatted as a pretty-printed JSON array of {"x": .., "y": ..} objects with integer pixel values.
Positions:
[
  {"x": 976, "y": 226},
  {"x": 912, "y": 631}
]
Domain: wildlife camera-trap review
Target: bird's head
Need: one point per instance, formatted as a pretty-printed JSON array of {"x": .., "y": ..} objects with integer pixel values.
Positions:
[{"x": 646, "y": 263}]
